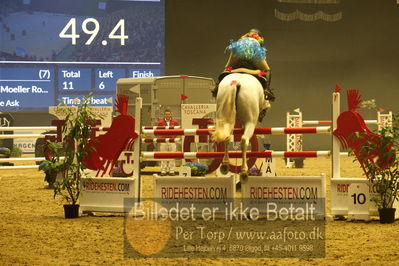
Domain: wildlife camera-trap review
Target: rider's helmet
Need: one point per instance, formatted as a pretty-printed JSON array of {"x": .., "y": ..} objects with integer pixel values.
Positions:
[{"x": 254, "y": 34}]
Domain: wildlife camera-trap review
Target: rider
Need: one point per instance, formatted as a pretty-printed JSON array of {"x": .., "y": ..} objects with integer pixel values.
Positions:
[{"x": 249, "y": 53}]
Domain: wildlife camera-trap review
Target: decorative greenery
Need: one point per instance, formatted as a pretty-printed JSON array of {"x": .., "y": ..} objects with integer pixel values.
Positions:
[
  {"x": 254, "y": 171},
  {"x": 381, "y": 164},
  {"x": 5, "y": 151},
  {"x": 76, "y": 133},
  {"x": 197, "y": 169},
  {"x": 53, "y": 166},
  {"x": 369, "y": 104},
  {"x": 16, "y": 151}
]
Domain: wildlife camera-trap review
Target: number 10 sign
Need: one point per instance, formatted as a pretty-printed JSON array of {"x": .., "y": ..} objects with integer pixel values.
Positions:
[{"x": 359, "y": 201}]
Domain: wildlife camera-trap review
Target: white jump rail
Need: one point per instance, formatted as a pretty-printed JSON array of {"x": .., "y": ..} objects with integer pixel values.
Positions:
[
  {"x": 28, "y": 128},
  {"x": 16, "y": 167},
  {"x": 328, "y": 122},
  {"x": 24, "y": 136},
  {"x": 24, "y": 159}
]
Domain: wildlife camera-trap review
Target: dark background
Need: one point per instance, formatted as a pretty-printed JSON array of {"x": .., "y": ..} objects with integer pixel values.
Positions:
[{"x": 359, "y": 51}]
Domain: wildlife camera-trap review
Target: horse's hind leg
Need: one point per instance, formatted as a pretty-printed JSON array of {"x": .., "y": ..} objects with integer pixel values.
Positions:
[
  {"x": 248, "y": 132},
  {"x": 224, "y": 168},
  {"x": 244, "y": 166}
]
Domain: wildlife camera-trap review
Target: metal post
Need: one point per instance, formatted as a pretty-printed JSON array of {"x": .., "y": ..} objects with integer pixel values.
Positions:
[
  {"x": 137, "y": 151},
  {"x": 335, "y": 158}
]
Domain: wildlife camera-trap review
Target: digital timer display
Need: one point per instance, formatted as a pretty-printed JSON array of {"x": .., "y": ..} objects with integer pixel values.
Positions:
[
  {"x": 55, "y": 51},
  {"x": 93, "y": 32}
]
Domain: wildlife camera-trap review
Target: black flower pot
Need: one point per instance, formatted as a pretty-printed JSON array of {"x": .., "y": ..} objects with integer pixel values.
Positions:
[
  {"x": 71, "y": 211},
  {"x": 387, "y": 215}
]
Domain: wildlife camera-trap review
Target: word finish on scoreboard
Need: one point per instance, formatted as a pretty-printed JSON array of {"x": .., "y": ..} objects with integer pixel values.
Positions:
[{"x": 54, "y": 51}]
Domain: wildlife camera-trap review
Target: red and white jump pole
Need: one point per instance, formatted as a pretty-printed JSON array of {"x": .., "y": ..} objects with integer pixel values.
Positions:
[
  {"x": 44, "y": 128},
  {"x": 160, "y": 140},
  {"x": 232, "y": 154},
  {"x": 238, "y": 131},
  {"x": 160, "y": 127}
]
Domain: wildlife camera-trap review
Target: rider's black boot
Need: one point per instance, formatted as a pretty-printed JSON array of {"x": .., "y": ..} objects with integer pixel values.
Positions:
[
  {"x": 269, "y": 95},
  {"x": 262, "y": 114},
  {"x": 214, "y": 91}
]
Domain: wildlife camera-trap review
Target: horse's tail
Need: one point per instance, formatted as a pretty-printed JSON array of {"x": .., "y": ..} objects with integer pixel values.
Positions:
[{"x": 226, "y": 113}]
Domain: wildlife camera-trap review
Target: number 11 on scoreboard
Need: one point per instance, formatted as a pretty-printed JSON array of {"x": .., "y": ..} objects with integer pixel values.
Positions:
[{"x": 67, "y": 85}]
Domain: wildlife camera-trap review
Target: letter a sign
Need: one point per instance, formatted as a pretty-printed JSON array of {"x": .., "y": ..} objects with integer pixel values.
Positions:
[{"x": 268, "y": 167}]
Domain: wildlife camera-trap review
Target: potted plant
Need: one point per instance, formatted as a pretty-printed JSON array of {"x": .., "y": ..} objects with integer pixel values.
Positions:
[
  {"x": 54, "y": 166},
  {"x": 76, "y": 134},
  {"x": 381, "y": 165},
  {"x": 197, "y": 169}
]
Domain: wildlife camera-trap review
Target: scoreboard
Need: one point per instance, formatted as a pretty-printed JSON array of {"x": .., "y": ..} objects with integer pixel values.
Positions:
[{"x": 54, "y": 51}]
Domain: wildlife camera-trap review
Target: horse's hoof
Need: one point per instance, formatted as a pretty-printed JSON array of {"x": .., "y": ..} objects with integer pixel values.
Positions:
[
  {"x": 243, "y": 177},
  {"x": 224, "y": 169}
]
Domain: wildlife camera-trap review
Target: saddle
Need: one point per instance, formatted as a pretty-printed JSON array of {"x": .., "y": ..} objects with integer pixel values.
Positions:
[{"x": 262, "y": 76}]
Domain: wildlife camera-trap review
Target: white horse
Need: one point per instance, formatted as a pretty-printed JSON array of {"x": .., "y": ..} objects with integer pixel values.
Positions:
[{"x": 241, "y": 97}]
